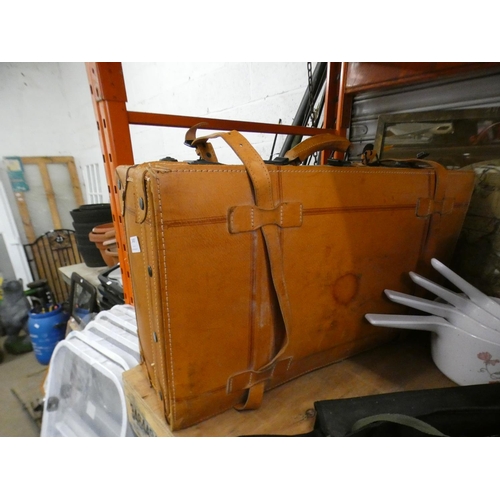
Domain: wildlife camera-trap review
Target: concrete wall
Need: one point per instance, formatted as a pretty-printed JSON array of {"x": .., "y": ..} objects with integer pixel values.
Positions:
[{"x": 46, "y": 110}]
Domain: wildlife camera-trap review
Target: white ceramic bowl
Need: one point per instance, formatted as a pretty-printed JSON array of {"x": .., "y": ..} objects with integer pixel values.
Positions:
[
  {"x": 465, "y": 359},
  {"x": 462, "y": 357}
]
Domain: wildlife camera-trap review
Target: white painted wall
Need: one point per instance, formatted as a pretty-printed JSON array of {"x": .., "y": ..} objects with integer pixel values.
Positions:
[
  {"x": 15, "y": 261},
  {"x": 260, "y": 92},
  {"x": 46, "y": 109}
]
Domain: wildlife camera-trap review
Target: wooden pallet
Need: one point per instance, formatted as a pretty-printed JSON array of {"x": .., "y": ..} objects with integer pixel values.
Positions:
[{"x": 404, "y": 364}]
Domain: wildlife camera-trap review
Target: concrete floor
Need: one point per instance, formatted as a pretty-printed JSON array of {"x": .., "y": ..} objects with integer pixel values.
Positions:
[{"x": 25, "y": 375}]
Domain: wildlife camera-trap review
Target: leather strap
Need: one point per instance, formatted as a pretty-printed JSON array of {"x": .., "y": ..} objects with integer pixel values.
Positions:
[
  {"x": 254, "y": 397},
  {"x": 190, "y": 136},
  {"x": 138, "y": 178},
  {"x": 204, "y": 150},
  {"x": 317, "y": 143},
  {"x": 248, "y": 378},
  {"x": 261, "y": 182},
  {"x": 121, "y": 181},
  {"x": 433, "y": 208}
]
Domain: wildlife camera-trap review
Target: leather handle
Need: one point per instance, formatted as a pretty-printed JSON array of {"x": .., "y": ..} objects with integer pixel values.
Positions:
[
  {"x": 295, "y": 155},
  {"x": 253, "y": 163},
  {"x": 203, "y": 149},
  {"x": 190, "y": 136},
  {"x": 441, "y": 174},
  {"x": 317, "y": 143},
  {"x": 261, "y": 182}
]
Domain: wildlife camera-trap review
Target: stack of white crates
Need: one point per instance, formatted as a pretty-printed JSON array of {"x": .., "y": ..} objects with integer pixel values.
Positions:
[{"x": 84, "y": 390}]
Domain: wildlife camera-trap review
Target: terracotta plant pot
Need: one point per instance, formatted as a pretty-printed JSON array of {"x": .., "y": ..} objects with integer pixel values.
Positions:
[
  {"x": 103, "y": 228},
  {"x": 101, "y": 234},
  {"x": 111, "y": 250}
]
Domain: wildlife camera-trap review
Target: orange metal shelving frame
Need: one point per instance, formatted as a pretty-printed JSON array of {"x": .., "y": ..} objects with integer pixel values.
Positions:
[
  {"x": 109, "y": 97},
  {"x": 344, "y": 80}
]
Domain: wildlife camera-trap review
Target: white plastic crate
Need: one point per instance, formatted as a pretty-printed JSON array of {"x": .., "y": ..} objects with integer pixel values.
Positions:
[
  {"x": 122, "y": 342},
  {"x": 84, "y": 389}
]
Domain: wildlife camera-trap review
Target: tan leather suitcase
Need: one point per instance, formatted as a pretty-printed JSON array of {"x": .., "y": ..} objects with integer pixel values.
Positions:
[{"x": 246, "y": 276}]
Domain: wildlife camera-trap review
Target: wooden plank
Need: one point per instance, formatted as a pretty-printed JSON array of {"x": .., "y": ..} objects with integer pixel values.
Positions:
[
  {"x": 47, "y": 159},
  {"x": 49, "y": 191},
  {"x": 55, "y": 263},
  {"x": 75, "y": 256},
  {"x": 404, "y": 364},
  {"x": 49, "y": 267},
  {"x": 25, "y": 217},
  {"x": 143, "y": 408},
  {"x": 75, "y": 182},
  {"x": 38, "y": 262}
]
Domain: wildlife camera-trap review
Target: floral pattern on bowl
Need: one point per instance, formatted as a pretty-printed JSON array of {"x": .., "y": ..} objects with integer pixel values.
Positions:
[{"x": 486, "y": 358}]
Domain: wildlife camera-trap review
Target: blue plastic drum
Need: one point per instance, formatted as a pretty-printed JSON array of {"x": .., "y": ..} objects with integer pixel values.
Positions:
[{"x": 46, "y": 330}]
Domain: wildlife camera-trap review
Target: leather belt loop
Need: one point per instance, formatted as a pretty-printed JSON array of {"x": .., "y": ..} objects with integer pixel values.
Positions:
[
  {"x": 250, "y": 218},
  {"x": 428, "y": 206}
]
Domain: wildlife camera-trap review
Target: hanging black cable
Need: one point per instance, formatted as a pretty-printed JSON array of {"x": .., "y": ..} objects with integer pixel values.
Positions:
[
  {"x": 304, "y": 112},
  {"x": 316, "y": 118}
]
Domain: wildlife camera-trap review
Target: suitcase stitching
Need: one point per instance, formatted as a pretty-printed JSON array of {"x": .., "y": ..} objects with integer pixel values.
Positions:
[
  {"x": 158, "y": 316},
  {"x": 174, "y": 408},
  {"x": 312, "y": 170},
  {"x": 380, "y": 172},
  {"x": 145, "y": 280}
]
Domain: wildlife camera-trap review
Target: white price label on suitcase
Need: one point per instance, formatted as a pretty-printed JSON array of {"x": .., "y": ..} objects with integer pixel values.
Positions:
[{"x": 134, "y": 244}]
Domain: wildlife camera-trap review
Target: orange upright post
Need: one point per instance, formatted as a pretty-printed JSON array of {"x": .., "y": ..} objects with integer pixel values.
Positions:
[
  {"x": 333, "y": 101},
  {"x": 109, "y": 97}
]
